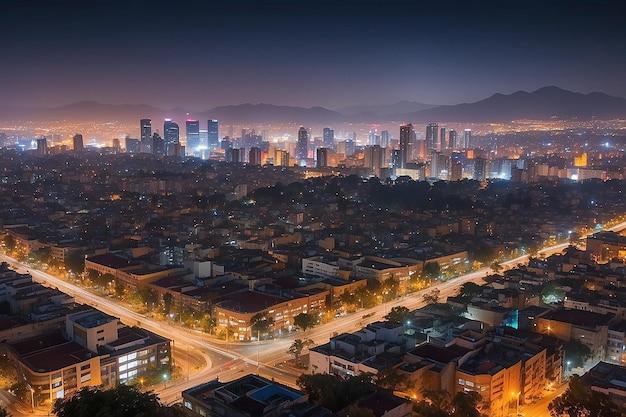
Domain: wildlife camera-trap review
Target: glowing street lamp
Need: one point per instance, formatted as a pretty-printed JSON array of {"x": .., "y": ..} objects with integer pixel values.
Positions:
[{"x": 164, "y": 381}]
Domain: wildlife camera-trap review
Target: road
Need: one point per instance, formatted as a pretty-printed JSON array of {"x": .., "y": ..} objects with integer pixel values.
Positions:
[{"x": 231, "y": 360}]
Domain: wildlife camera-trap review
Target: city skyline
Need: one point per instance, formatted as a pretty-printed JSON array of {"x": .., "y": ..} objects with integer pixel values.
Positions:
[{"x": 306, "y": 54}]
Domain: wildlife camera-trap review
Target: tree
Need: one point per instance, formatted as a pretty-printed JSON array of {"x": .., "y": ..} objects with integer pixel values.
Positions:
[
  {"x": 10, "y": 243},
  {"x": 576, "y": 352},
  {"x": 304, "y": 321},
  {"x": 432, "y": 297},
  {"x": 578, "y": 400},
  {"x": 496, "y": 267},
  {"x": 121, "y": 401},
  {"x": 334, "y": 392},
  {"x": 261, "y": 324},
  {"x": 431, "y": 270},
  {"x": 297, "y": 347},
  {"x": 442, "y": 404},
  {"x": 398, "y": 314},
  {"x": 168, "y": 300},
  {"x": 469, "y": 289},
  {"x": 390, "y": 378}
]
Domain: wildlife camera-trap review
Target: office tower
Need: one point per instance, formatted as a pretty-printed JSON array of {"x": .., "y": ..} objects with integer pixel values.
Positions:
[
  {"x": 322, "y": 157},
  {"x": 431, "y": 137},
  {"x": 213, "y": 136},
  {"x": 77, "y": 140},
  {"x": 171, "y": 135},
  {"x": 467, "y": 138},
  {"x": 281, "y": 158},
  {"x": 442, "y": 139},
  {"x": 480, "y": 169},
  {"x": 158, "y": 145},
  {"x": 132, "y": 145},
  {"x": 42, "y": 147},
  {"x": 193, "y": 136},
  {"x": 373, "y": 157},
  {"x": 407, "y": 138},
  {"x": 456, "y": 171},
  {"x": 452, "y": 139},
  {"x": 435, "y": 162},
  {"x": 350, "y": 147},
  {"x": 396, "y": 158},
  {"x": 233, "y": 154},
  {"x": 145, "y": 127},
  {"x": 116, "y": 145},
  {"x": 302, "y": 150},
  {"x": 329, "y": 137},
  {"x": 254, "y": 156},
  {"x": 384, "y": 139}
]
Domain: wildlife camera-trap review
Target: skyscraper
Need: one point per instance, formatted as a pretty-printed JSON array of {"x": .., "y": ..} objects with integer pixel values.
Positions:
[
  {"x": 171, "y": 135},
  {"x": 452, "y": 139},
  {"x": 42, "y": 147},
  {"x": 384, "y": 139},
  {"x": 407, "y": 135},
  {"x": 467, "y": 138},
  {"x": 254, "y": 156},
  {"x": 302, "y": 147},
  {"x": 431, "y": 137},
  {"x": 442, "y": 139},
  {"x": 193, "y": 136},
  {"x": 322, "y": 157},
  {"x": 145, "y": 127},
  {"x": 329, "y": 137},
  {"x": 213, "y": 136},
  {"x": 78, "y": 143}
]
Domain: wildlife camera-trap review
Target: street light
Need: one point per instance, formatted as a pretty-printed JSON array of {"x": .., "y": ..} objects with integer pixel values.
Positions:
[
  {"x": 164, "y": 381},
  {"x": 32, "y": 400},
  {"x": 516, "y": 394}
]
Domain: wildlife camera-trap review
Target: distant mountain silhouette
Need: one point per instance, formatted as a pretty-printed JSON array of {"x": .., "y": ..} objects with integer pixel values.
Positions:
[
  {"x": 542, "y": 104},
  {"x": 384, "y": 109},
  {"x": 269, "y": 113}
]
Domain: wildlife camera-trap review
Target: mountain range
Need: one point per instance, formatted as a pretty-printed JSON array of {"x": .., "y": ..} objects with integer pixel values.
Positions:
[{"x": 542, "y": 104}]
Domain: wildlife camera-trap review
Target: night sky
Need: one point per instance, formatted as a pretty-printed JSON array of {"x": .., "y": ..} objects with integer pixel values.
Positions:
[{"x": 197, "y": 55}]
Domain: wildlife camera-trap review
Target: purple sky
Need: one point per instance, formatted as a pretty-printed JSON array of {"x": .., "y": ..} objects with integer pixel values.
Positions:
[{"x": 198, "y": 55}]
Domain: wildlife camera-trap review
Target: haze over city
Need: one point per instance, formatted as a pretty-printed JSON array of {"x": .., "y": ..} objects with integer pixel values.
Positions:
[
  {"x": 198, "y": 55},
  {"x": 313, "y": 208}
]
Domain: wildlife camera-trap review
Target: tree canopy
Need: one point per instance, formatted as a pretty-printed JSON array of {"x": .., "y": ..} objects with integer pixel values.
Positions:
[
  {"x": 304, "y": 321},
  {"x": 578, "y": 400},
  {"x": 122, "y": 401},
  {"x": 398, "y": 314},
  {"x": 333, "y": 392}
]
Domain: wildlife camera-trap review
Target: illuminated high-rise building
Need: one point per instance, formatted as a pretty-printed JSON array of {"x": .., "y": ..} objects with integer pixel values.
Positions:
[
  {"x": 329, "y": 137},
  {"x": 213, "y": 136},
  {"x": 452, "y": 139},
  {"x": 467, "y": 138},
  {"x": 77, "y": 140},
  {"x": 431, "y": 137},
  {"x": 42, "y": 147},
  {"x": 407, "y": 139},
  {"x": 302, "y": 146},
  {"x": 145, "y": 127},
  {"x": 193, "y": 136},
  {"x": 171, "y": 135},
  {"x": 322, "y": 157},
  {"x": 281, "y": 158},
  {"x": 442, "y": 139},
  {"x": 480, "y": 169},
  {"x": 254, "y": 156},
  {"x": 384, "y": 139},
  {"x": 158, "y": 145}
]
